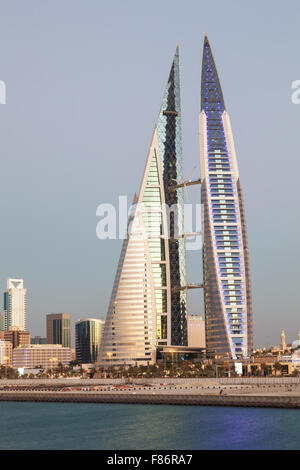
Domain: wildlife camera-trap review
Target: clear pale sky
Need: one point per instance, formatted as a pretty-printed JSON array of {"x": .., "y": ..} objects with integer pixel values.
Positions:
[{"x": 84, "y": 85}]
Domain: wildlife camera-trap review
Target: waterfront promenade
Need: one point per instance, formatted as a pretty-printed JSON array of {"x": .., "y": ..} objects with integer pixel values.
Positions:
[{"x": 255, "y": 392}]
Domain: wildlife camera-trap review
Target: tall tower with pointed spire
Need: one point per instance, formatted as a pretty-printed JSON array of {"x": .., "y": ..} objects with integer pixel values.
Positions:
[
  {"x": 147, "y": 306},
  {"x": 227, "y": 288},
  {"x": 170, "y": 151}
]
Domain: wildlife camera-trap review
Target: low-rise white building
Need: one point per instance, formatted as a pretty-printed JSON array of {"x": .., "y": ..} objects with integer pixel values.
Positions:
[
  {"x": 5, "y": 353},
  {"x": 45, "y": 355}
]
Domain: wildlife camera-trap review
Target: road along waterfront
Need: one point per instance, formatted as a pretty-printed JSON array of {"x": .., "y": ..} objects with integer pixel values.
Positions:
[{"x": 280, "y": 393}]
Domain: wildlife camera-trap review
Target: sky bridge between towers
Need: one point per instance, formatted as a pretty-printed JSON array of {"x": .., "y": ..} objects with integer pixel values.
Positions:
[
  {"x": 187, "y": 287},
  {"x": 185, "y": 235},
  {"x": 183, "y": 184}
]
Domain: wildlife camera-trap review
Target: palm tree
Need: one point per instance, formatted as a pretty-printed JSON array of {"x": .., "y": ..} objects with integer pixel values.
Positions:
[{"x": 278, "y": 368}]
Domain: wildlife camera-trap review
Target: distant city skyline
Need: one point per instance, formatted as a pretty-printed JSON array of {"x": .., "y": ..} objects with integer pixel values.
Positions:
[{"x": 62, "y": 155}]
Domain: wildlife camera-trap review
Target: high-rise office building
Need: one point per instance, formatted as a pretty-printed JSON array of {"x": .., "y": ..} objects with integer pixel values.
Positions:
[
  {"x": 148, "y": 302},
  {"x": 59, "y": 329},
  {"x": 227, "y": 289},
  {"x": 88, "y": 335},
  {"x": 15, "y": 304}
]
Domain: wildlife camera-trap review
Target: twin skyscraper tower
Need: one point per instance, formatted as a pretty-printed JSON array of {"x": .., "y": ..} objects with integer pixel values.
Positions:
[{"x": 148, "y": 305}]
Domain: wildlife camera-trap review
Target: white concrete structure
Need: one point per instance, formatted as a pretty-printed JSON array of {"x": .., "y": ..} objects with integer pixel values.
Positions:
[
  {"x": 15, "y": 304},
  {"x": 5, "y": 353},
  {"x": 196, "y": 331},
  {"x": 2, "y": 321},
  {"x": 283, "y": 341},
  {"x": 46, "y": 355}
]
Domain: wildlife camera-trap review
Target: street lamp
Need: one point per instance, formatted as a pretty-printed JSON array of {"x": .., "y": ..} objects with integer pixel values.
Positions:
[
  {"x": 6, "y": 358},
  {"x": 109, "y": 359},
  {"x": 172, "y": 351}
]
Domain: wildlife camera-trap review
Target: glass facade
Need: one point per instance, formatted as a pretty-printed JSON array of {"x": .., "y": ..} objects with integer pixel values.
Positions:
[
  {"x": 165, "y": 225},
  {"x": 153, "y": 216},
  {"x": 170, "y": 150},
  {"x": 228, "y": 306},
  {"x": 62, "y": 332},
  {"x": 59, "y": 329},
  {"x": 88, "y": 338}
]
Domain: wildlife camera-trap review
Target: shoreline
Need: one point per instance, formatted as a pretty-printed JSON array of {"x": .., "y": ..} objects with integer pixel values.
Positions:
[
  {"x": 244, "y": 392},
  {"x": 265, "y": 401}
]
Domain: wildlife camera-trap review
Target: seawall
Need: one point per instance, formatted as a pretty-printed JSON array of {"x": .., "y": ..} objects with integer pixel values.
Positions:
[{"x": 266, "y": 401}]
